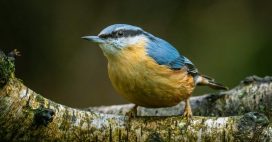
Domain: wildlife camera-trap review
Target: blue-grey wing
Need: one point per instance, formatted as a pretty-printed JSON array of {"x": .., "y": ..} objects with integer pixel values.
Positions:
[{"x": 165, "y": 54}]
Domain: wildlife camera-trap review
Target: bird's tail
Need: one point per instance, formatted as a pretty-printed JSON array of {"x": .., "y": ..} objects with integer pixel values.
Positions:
[{"x": 208, "y": 81}]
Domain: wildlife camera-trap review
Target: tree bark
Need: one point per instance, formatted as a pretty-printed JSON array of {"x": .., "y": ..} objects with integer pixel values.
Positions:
[{"x": 240, "y": 114}]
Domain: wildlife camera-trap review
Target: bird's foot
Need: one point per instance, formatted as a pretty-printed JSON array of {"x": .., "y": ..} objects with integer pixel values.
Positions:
[
  {"x": 187, "y": 114},
  {"x": 132, "y": 113},
  {"x": 187, "y": 110}
]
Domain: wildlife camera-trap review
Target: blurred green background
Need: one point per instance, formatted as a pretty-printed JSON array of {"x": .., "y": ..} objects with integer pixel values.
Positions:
[{"x": 227, "y": 40}]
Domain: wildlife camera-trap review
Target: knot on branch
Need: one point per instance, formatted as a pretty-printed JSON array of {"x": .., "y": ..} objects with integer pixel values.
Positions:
[
  {"x": 43, "y": 116},
  {"x": 250, "y": 125}
]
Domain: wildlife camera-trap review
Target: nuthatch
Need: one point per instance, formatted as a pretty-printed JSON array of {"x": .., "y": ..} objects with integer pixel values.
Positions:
[{"x": 148, "y": 71}]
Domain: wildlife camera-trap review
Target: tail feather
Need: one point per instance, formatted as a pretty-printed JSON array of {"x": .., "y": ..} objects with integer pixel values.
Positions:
[{"x": 208, "y": 81}]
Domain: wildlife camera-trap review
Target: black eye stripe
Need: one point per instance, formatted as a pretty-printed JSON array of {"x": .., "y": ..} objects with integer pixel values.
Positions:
[
  {"x": 125, "y": 33},
  {"x": 132, "y": 32},
  {"x": 104, "y": 35}
]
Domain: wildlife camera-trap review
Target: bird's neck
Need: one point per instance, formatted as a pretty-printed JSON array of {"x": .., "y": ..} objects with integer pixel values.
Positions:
[{"x": 127, "y": 54}]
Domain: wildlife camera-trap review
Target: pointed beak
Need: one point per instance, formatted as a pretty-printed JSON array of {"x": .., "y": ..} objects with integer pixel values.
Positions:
[{"x": 94, "y": 39}]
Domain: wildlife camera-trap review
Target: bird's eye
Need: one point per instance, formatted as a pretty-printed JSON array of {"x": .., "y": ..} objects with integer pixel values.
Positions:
[{"x": 120, "y": 33}]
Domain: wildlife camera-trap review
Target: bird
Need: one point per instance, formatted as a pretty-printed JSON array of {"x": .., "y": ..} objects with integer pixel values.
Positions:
[{"x": 147, "y": 70}]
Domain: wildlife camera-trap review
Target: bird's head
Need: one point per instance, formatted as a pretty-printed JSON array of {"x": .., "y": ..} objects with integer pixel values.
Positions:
[{"x": 116, "y": 37}]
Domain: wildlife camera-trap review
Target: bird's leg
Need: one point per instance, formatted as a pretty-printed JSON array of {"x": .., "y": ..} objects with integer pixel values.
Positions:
[
  {"x": 132, "y": 113},
  {"x": 187, "y": 109}
]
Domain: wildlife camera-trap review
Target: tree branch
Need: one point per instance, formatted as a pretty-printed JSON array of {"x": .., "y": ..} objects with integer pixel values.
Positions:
[{"x": 241, "y": 114}]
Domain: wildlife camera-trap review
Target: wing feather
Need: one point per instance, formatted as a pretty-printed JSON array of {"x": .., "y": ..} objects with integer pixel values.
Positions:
[{"x": 165, "y": 54}]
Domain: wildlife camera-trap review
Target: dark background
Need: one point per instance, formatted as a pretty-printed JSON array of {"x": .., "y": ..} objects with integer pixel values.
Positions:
[{"x": 227, "y": 40}]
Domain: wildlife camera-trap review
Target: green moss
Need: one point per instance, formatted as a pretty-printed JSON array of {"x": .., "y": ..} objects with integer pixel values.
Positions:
[
  {"x": 252, "y": 121},
  {"x": 154, "y": 137},
  {"x": 241, "y": 95},
  {"x": 65, "y": 123},
  {"x": 40, "y": 100},
  {"x": 7, "y": 69},
  {"x": 261, "y": 108}
]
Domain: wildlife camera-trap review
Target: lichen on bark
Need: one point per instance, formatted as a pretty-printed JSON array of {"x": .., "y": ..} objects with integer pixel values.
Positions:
[{"x": 7, "y": 68}]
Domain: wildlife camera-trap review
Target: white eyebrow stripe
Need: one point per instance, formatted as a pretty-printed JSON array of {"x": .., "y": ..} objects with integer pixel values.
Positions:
[{"x": 120, "y": 28}]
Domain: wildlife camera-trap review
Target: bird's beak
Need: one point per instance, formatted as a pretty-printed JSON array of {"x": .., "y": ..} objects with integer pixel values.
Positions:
[{"x": 94, "y": 39}]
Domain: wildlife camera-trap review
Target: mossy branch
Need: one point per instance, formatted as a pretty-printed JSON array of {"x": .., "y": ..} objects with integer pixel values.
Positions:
[{"x": 241, "y": 114}]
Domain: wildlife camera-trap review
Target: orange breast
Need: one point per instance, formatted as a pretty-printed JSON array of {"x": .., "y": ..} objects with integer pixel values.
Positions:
[{"x": 140, "y": 80}]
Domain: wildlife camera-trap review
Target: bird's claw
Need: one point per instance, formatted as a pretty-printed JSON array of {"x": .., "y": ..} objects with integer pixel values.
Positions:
[
  {"x": 132, "y": 113},
  {"x": 187, "y": 114}
]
